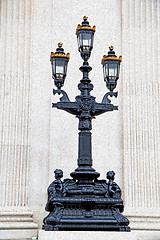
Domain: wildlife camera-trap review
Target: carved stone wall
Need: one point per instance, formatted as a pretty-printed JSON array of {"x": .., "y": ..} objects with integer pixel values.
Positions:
[
  {"x": 141, "y": 117},
  {"x": 15, "y": 103}
]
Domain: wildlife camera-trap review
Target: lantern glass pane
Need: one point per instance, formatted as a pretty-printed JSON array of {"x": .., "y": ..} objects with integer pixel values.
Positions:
[
  {"x": 60, "y": 66},
  {"x": 65, "y": 68},
  {"x": 53, "y": 67},
  {"x": 92, "y": 39},
  {"x": 105, "y": 71},
  {"x": 79, "y": 40},
  {"x": 118, "y": 70},
  {"x": 87, "y": 39},
  {"x": 66, "y": 64},
  {"x": 112, "y": 69}
]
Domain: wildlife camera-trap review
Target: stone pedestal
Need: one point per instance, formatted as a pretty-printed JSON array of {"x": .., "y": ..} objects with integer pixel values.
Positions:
[
  {"x": 17, "y": 223},
  {"x": 134, "y": 235}
]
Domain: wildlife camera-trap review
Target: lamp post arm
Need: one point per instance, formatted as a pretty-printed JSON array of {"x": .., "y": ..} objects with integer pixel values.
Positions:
[
  {"x": 76, "y": 108},
  {"x": 70, "y": 107},
  {"x": 65, "y": 104},
  {"x": 101, "y": 108}
]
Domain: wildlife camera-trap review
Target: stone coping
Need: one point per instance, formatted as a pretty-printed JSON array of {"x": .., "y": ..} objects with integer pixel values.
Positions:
[{"x": 87, "y": 235}]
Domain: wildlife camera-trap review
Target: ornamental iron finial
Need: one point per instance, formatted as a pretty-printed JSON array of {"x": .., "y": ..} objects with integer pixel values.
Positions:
[
  {"x": 85, "y": 18},
  {"x": 111, "y": 47},
  {"x": 111, "y": 56},
  {"x": 60, "y": 44},
  {"x": 59, "y": 52},
  {"x": 85, "y": 26}
]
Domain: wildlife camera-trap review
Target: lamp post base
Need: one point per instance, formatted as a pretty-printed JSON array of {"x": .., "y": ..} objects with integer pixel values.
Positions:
[
  {"x": 85, "y": 206},
  {"x": 98, "y": 219}
]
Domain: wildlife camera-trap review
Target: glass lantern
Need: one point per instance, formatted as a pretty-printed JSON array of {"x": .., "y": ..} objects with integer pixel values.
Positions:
[
  {"x": 111, "y": 69},
  {"x": 59, "y": 61},
  {"x": 85, "y": 37}
]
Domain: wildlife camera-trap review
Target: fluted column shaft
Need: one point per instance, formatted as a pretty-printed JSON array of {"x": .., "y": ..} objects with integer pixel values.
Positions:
[{"x": 141, "y": 104}]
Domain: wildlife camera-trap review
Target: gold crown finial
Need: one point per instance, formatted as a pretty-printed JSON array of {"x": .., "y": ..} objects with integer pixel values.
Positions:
[
  {"x": 85, "y": 26},
  {"x": 60, "y": 44},
  {"x": 111, "y": 48},
  {"x": 85, "y": 18}
]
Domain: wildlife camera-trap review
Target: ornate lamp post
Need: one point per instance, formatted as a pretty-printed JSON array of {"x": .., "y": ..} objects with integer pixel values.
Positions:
[{"x": 84, "y": 202}]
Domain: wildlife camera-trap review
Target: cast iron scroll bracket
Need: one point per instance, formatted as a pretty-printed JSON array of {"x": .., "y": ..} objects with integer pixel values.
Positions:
[
  {"x": 64, "y": 98},
  {"x": 106, "y": 100}
]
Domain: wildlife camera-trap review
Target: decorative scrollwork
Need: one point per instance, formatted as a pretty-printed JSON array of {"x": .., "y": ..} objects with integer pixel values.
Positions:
[
  {"x": 55, "y": 215},
  {"x": 106, "y": 100},
  {"x": 86, "y": 104},
  {"x": 64, "y": 98},
  {"x": 85, "y": 124}
]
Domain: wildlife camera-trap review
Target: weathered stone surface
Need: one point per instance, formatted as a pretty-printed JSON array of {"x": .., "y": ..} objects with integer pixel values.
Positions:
[
  {"x": 134, "y": 235},
  {"x": 18, "y": 234},
  {"x": 17, "y": 223}
]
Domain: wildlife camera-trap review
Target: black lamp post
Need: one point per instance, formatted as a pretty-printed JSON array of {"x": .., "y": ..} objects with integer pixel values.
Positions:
[{"x": 84, "y": 202}]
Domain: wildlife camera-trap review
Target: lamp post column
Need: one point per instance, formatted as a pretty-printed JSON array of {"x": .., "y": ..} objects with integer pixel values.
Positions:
[{"x": 86, "y": 105}]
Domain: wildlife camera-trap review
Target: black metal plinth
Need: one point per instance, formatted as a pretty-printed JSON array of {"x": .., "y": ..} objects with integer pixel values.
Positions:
[{"x": 92, "y": 206}]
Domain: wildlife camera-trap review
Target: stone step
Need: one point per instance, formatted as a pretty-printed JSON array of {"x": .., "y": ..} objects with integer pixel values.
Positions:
[{"x": 82, "y": 235}]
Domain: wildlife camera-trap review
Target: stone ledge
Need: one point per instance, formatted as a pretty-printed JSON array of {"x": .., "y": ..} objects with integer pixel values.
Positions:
[
  {"x": 144, "y": 223},
  {"x": 81, "y": 235},
  {"x": 18, "y": 234},
  {"x": 17, "y": 223},
  {"x": 143, "y": 218},
  {"x": 16, "y": 219}
]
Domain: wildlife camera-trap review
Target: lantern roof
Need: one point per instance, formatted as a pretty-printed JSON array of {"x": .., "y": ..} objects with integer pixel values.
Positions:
[
  {"x": 111, "y": 56},
  {"x": 59, "y": 53},
  {"x": 85, "y": 26}
]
